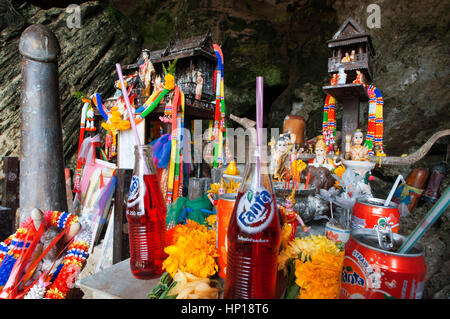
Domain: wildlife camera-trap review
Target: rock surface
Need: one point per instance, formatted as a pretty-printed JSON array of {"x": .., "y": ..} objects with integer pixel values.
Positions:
[
  {"x": 86, "y": 64},
  {"x": 282, "y": 40}
]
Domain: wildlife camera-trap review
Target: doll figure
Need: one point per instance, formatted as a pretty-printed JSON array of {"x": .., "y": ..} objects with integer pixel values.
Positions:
[
  {"x": 346, "y": 58},
  {"x": 358, "y": 152},
  {"x": 90, "y": 118},
  {"x": 321, "y": 160},
  {"x": 146, "y": 70},
  {"x": 334, "y": 79},
  {"x": 199, "y": 86},
  {"x": 352, "y": 56},
  {"x": 280, "y": 160},
  {"x": 359, "y": 78},
  {"x": 291, "y": 218},
  {"x": 342, "y": 76}
]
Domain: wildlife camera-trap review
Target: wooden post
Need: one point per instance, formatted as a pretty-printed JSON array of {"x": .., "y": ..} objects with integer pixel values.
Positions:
[
  {"x": 350, "y": 118},
  {"x": 120, "y": 241},
  {"x": 11, "y": 188}
]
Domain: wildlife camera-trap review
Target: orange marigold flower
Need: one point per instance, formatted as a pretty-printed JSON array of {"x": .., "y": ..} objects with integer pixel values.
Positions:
[{"x": 193, "y": 251}]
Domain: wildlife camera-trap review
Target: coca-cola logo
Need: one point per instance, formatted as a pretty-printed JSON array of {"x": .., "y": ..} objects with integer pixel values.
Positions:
[{"x": 255, "y": 211}]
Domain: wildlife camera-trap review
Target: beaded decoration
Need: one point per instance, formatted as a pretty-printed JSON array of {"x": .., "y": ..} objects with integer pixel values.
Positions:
[
  {"x": 13, "y": 247},
  {"x": 16, "y": 244},
  {"x": 65, "y": 274},
  {"x": 375, "y": 120},
  {"x": 329, "y": 120}
]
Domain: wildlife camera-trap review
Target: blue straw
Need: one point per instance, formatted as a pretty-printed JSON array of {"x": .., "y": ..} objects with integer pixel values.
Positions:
[{"x": 435, "y": 212}]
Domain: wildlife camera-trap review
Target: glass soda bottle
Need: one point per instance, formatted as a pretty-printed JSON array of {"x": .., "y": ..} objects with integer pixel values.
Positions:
[
  {"x": 253, "y": 238},
  {"x": 146, "y": 215}
]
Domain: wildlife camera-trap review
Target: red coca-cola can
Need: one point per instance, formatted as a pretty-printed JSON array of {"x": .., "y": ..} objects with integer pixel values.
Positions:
[
  {"x": 371, "y": 213},
  {"x": 370, "y": 272}
]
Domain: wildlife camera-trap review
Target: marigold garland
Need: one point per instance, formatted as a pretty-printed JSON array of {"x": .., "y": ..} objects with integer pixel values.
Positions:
[
  {"x": 194, "y": 250},
  {"x": 318, "y": 266}
]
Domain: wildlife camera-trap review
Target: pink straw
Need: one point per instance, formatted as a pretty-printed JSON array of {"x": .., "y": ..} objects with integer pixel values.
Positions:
[
  {"x": 259, "y": 123},
  {"x": 130, "y": 114},
  {"x": 127, "y": 102}
]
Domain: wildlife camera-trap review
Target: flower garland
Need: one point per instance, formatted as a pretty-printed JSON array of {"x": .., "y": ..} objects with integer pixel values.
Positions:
[
  {"x": 329, "y": 120},
  {"x": 374, "y": 135},
  {"x": 194, "y": 251},
  {"x": 66, "y": 273},
  {"x": 14, "y": 246},
  {"x": 63, "y": 278},
  {"x": 69, "y": 269}
]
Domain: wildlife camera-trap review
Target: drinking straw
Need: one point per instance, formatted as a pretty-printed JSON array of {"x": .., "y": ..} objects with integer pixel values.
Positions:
[
  {"x": 259, "y": 122},
  {"x": 391, "y": 193},
  {"x": 426, "y": 223},
  {"x": 130, "y": 114},
  {"x": 331, "y": 210},
  {"x": 127, "y": 102}
]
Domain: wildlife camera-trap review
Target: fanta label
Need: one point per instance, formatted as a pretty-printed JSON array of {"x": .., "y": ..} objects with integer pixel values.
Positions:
[
  {"x": 255, "y": 211},
  {"x": 137, "y": 187}
]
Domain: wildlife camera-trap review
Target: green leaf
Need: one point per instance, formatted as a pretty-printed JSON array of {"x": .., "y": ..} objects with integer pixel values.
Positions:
[
  {"x": 292, "y": 292},
  {"x": 164, "y": 294}
]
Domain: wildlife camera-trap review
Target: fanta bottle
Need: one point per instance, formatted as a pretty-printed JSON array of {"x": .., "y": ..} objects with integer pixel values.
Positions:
[
  {"x": 146, "y": 215},
  {"x": 253, "y": 238}
]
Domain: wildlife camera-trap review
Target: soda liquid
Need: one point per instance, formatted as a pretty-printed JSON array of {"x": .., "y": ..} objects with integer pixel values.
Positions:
[
  {"x": 146, "y": 215},
  {"x": 253, "y": 244}
]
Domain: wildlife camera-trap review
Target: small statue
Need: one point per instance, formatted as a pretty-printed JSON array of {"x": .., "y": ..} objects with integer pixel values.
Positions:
[
  {"x": 280, "y": 155},
  {"x": 291, "y": 218},
  {"x": 199, "y": 86},
  {"x": 334, "y": 79},
  {"x": 346, "y": 58},
  {"x": 321, "y": 160},
  {"x": 358, "y": 152},
  {"x": 359, "y": 78},
  {"x": 342, "y": 76},
  {"x": 146, "y": 70},
  {"x": 90, "y": 118}
]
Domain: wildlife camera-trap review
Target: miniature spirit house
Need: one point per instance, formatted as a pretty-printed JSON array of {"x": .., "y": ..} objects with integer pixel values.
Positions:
[
  {"x": 194, "y": 71},
  {"x": 350, "y": 69},
  {"x": 194, "y": 75},
  {"x": 352, "y": 49}
]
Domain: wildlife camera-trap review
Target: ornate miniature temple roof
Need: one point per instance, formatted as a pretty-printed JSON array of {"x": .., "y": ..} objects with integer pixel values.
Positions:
[
  {"x": 351, "y": 37},
  {"x": 349, "y": 33},
  {"x": 183, "y": 48}
]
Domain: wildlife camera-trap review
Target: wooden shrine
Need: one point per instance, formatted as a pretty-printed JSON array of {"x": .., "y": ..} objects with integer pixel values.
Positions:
[
  {"x": 195, "y": 55},
  {"x": 195, "y": 59},
  {"x": 352, "y": 52}
]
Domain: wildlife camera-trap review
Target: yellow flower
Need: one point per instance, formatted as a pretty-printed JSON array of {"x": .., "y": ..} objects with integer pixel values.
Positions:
[
  {"x": 211, "y": 220},
  {"x": 193, "y": 251},
  {"x": 339, "y": 171},
  {"x": 319, "y": 277},
  {"x": 169, "y": 81},
  {"x": 318, "y": 266}
]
